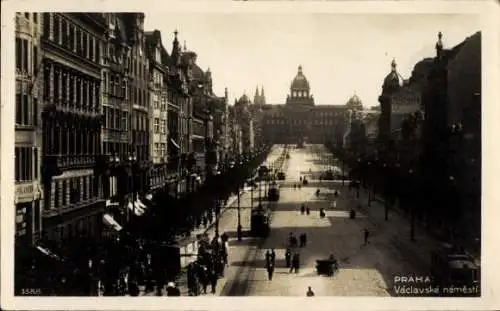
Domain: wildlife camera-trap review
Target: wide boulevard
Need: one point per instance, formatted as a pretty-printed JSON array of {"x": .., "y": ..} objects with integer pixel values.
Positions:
[{"x": 364, "y": 270}]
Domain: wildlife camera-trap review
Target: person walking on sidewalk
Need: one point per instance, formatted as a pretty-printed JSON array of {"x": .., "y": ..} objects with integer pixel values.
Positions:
[
  {"x": 366, "y": 236},
  {"x": 295, "y": 263},
  {"x": 309, "y": 293},
  {"x": 273, "y": 257},
  {"x": 213, "y": 281},
  {"x": 288, "y": 257},
  {"x": 270, "y": 270},
  {"x": 268, "y": 257}
]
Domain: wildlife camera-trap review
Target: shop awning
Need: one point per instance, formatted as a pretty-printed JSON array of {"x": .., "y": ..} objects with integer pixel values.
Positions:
[
  {"x": 135, "y": 208},
  {"x": 109, "y": 220},
  {"x": 110, "y": 203},
  {"x": 174, "y": 143},
  {"x": 47, "y": 252},
  {"x": 141, "y": 205}
]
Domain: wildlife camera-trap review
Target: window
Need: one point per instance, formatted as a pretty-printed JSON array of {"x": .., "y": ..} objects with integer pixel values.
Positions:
[
  {"x": 78, "y": 41},
  {"x": 19, "y": 51},
  {"x": 92, "y": 48},
  {"x": 35, "y": 59},
  {"x": 35, "y": 18},
  {"x": 64, "y": 30},
  {"x": 23, "y": 164},
  {"x": 162, "y": 126},
  {"x": 124, "y": 122},
  {"x": 24, "y": 115},
  {"x": 126, "y": 90},
  {"x": 72, "y": 37},
  {"x": 157, "y": 149},
  {"x": 25, "y": 55},
  {"x": 27, "y": 15},
  {"x": 117, "y": 119},
  {"x": 56, "y": 28},
  {"x": 157, "y": 125},
  {"x": 85, "y": 50},
  {"x": 19, "y": 108}
]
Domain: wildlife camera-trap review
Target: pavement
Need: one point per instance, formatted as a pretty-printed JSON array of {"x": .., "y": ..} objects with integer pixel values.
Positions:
[{"x": 363, "y": 270}]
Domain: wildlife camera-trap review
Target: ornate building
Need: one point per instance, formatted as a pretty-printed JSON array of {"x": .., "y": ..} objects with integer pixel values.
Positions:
[
  {"x": 299, "y": 119},
  {"x": 158, "y": 109},
  {"x": 244, "y": 118},
  {"x": 72, "y": 115},
  {"x": 28, "y": 136},
  {"x": 259, "y": 99}
]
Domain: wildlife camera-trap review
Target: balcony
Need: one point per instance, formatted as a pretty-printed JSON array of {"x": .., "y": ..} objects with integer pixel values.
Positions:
[{"x": 62, "y": 162}]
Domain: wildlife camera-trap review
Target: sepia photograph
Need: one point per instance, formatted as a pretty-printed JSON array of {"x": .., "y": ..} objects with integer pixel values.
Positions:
[{"x": 161, "y": 153}]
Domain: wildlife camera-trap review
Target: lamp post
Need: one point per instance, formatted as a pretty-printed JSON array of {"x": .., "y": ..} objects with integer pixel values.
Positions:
[
  {"x": 358, "y": 182},
  {"x": 132, "y": 159},
  {"x": 386, "y": 193},
  {"x": 369, "y": 183},
  {"x": 412, "y": 211},
  {"x": 239, "y": 217}
]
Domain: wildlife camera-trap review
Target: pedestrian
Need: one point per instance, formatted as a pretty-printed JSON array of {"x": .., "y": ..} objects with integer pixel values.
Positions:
[
  {"x": 268, "y": 257},
  {"x": 224, "y": 238},
  {"x": 309, "y": 293},
  {"x": 295, "y": 263},
  {"x": 270, "y": 271},
  {"x": 288, "y": 257},
  {"x": 205, "y": 279},
  {"x": 213, "y": 281},
  {"x": 302, "y": 208},
  {"x": 273, "y": 257},
  {"x": 366, "y": 235},
  {"x": 322, "y": 213},
  {"x": 308, "y": 211}
]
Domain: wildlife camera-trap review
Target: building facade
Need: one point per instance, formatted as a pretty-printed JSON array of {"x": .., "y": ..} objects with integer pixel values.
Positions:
[
  {"x": 71, "y": 125},
  {"x": 28, "y": 135},
  {"x": 158, "y": 107},
  {"x": 299, "y": 119}
]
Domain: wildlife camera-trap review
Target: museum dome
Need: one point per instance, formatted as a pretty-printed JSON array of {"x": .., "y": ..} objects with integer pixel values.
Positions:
[
  {"x": 354, "y": 103},
  {"x": 393, "y": 79},
  {"x": 300, "y": 82},
  {"x": 244, "y": 99}
]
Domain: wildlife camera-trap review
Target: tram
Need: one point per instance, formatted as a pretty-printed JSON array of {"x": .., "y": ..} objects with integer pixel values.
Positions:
[
  {"x": 260, "y": 226},
  {"x": 273, "y": 193}
]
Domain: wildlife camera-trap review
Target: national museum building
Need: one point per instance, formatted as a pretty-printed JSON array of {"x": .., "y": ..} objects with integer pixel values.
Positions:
[{"x": 300, "y": 119}]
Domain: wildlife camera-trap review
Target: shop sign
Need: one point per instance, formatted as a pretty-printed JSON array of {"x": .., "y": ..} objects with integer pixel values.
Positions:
[{"x": 25, "y": 192}]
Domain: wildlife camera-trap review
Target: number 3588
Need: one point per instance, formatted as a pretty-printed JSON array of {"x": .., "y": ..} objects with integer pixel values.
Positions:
[{"x": 31, "y": 291}]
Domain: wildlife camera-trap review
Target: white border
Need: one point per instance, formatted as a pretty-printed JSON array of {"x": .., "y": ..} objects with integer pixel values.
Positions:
[{"x": 489, "y": 12}]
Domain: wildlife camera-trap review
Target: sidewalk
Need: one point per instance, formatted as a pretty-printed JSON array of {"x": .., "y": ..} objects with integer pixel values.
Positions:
[{"x": 397, "y": 227}]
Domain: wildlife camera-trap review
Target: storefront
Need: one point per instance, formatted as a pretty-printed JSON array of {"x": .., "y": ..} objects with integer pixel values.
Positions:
[{"x": 28, "y": 212}]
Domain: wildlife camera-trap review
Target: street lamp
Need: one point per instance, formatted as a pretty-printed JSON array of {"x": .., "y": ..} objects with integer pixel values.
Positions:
[
  {"x": 239, "y": 217},
  {"x": 412, "y": 211},
  {"x": 132, "y": 159},
  {"x": 369, "y": 184},
  {"x": 386, "y": 192}
]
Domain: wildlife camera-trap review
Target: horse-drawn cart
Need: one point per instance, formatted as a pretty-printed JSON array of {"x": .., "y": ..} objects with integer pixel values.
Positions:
[{"x": 326, "y": 266}]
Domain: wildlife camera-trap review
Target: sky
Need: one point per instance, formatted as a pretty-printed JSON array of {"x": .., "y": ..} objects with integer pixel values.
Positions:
[{"x": 341, "y": 54}]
